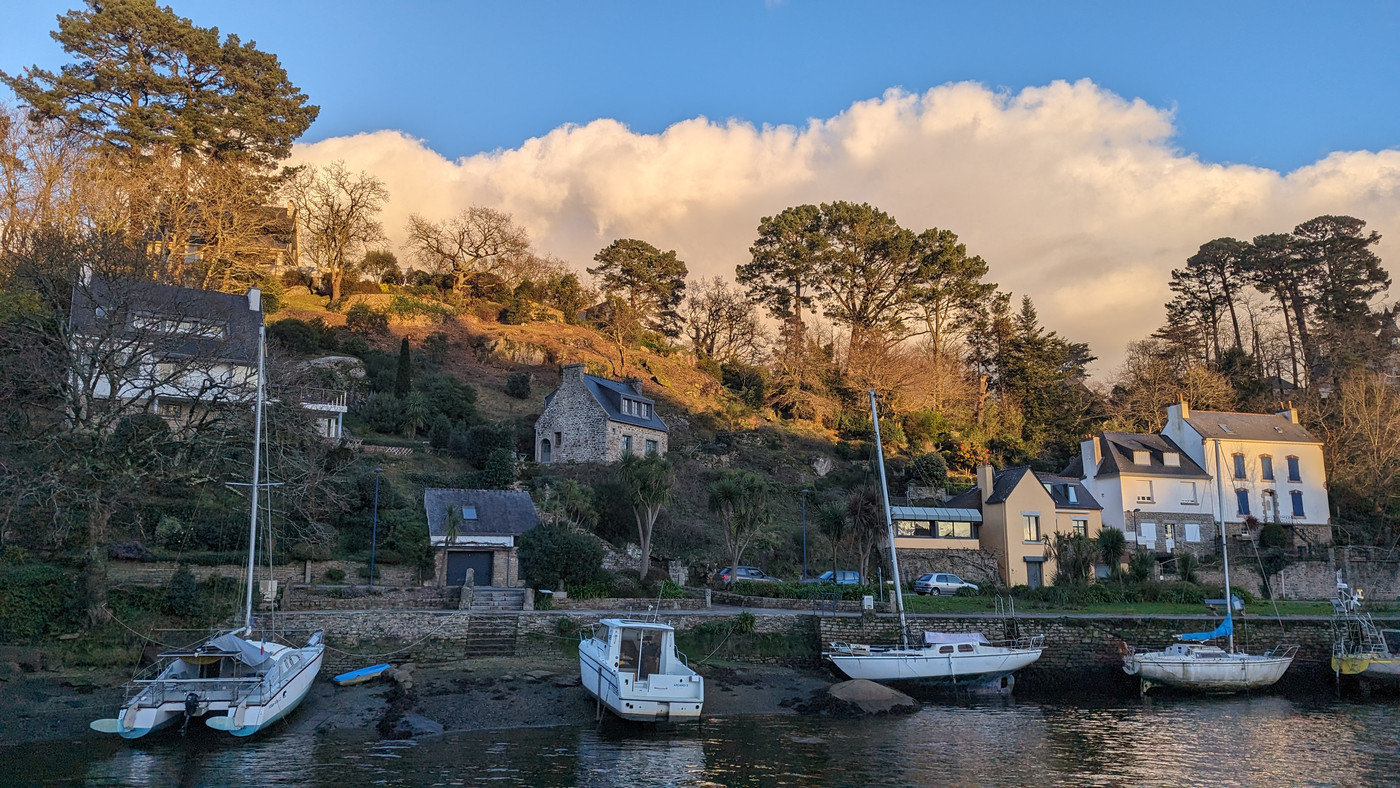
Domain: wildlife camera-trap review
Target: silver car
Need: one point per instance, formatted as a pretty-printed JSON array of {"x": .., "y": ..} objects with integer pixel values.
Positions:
[{"x": 938, "y": 583}]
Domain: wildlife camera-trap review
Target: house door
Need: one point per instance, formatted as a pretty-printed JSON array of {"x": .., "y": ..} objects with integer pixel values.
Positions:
[
  {"x": 1035, "y": 577},
  {"x": 459, "y": 561}
]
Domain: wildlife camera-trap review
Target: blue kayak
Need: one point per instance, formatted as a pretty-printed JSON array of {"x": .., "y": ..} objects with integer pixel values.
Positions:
[{"x": 363, "y": 674}]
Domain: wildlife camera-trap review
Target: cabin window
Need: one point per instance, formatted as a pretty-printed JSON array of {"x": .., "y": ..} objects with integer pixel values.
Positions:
[
  {"x": 1239, "y": 466},
  {"x": 965, "y": 647},
  {"x": 1266, "y": 468},
  {"x": 1294, "y": 474},
  {"x": 945, "y": 649}
]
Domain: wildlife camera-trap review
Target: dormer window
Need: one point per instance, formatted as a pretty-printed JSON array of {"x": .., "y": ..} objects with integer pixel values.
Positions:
[
  {"x": 468, "y": 512},
  {"x": 1141, "y": 457},
  {"x": 1071, "y": 494},
  {"x": 1171, "y": 459}
]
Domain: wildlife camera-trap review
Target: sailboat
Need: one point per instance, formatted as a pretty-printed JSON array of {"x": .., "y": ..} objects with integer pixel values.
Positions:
[
  {"x": 237, "y": 681},
  {"x": 1359, "y": 647},
  {"x": 943, "y": 656},
  {"x": 1209, "y": 668}
]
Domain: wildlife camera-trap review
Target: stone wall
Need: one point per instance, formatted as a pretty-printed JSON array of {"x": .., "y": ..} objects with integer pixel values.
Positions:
[
  {"x": 156, "y": 573},
  {"x": 633, "y": 606},
  {"x": 974, "y": 566},
  {"x": 807, "y": 605},
  {"x": 303, "y": 597}
]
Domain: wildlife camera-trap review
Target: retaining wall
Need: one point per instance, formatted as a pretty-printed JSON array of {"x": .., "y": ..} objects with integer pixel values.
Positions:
[{"x": 156, "y": 573}]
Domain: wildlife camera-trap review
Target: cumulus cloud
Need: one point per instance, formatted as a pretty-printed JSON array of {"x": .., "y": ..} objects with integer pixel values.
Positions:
[{"x": 1075, "y": 196}]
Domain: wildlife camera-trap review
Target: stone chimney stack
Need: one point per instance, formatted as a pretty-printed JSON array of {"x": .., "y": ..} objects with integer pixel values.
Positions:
[
  {"x": 985, "y": 479},
  {"x": 254, "y": 299},
  {"x": 572, "y": 372},
  {"x": 1291, "y": 413},
  {"x": 1089, "y": 453}
]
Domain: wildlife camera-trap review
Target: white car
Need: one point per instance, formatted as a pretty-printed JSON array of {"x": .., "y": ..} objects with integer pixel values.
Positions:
[{"x": 937, "y": 583}]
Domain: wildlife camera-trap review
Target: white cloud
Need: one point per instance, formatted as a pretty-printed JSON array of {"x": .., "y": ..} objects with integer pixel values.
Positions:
[{"x": 1073, "y": 195}]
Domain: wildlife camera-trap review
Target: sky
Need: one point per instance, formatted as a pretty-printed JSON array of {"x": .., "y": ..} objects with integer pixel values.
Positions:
[{"x": 1082, "y": 149}]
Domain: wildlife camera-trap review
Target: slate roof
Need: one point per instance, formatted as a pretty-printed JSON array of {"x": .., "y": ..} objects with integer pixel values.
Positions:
[
  {"x": 1003, "y": 482},
  {"x": 609, "y": 394},
  {"x": 498, "y": 512},
  {"x": 1268, "y": 427},
  {"x": 1118, "y": 448},
  {"x": 106, "y": 308},
  {"x": 1059, "y": 492}
]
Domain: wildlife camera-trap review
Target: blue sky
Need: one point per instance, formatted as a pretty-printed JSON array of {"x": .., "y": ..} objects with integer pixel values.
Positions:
[
  {"x": 1271, "y": 84},
  {"x": 1083, "y": 149}
]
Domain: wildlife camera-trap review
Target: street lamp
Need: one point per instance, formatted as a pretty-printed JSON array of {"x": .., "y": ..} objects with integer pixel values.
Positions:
[
  {"x": 374, "y": 529},
  {"x": 804, "y": 533}
]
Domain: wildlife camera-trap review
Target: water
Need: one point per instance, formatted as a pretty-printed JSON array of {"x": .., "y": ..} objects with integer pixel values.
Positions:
[{"x": 1260, "y": 740}]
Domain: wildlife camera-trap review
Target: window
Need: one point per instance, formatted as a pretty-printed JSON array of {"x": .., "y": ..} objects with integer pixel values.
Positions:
[
  {"x": 1141, "y": 457},
  {"x": 559, "y": 439},
  {"x": 626, "y": 444},
  {"x": 1297, "y": 496},
  {"x": 1144, "y": 492},
  {"x": 947, "y": 530},
  {"x": 1169, "y": 530},
  {"x": 1032, "y": 528},
  {"x": 1171, "y": 459},
  {"x": 1071, "y": 493},
  {"x": 1081, "y": 526},
  {"x": 1242, "y": 502},
  {"x": 651, "y": 447},
  {"x": 1239, "y": 466},
  {"x": 1193, "y": 532},
  {"x": 468, "y": 512},
  {"x": 912, "y": 528},
  {"x": 1188, "y": 493},
  {"x": 1294, "y": 474},
  {"x": 1266, "y": 468}
]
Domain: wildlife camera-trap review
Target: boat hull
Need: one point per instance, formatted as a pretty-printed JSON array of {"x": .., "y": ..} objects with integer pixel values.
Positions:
[
  {"x": 248, "y": 719},
  {"x": 928, "y": 665},
  {"x": 1373, "y": 667},
  {"x": 1231, "y": 673},
  {"x": 660, "y": 698}
]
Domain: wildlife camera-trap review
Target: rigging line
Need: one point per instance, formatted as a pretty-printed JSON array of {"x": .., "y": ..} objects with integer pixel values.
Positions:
[
  {"x": 145, "y": 637},
  {"x": 387, "y": 653},
  {"x": 1272, "y": 596}
]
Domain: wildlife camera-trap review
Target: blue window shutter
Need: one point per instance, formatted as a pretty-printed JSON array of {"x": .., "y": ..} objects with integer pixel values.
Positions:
[
  {"x": 1297, "y": 496},
  {"x": 1242, "y": 501}
]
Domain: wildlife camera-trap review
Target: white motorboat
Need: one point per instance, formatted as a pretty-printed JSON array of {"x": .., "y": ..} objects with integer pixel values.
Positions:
[
  {"x": 1210, "y": 668},
  {"x": 953, "y": 657},
  {"x": 1359, "y": 647},
  {"x": 237, "y": 682},
  {"x": 635, "y": 671}
]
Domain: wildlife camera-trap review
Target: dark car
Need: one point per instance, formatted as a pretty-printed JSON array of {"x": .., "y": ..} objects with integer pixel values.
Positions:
[
  {"x": 840, "y": 577},
  {"x": 727, "y": 575}
]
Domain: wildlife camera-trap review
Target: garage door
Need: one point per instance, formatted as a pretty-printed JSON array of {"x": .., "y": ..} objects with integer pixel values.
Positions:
[{"x": 459, "y": 561}]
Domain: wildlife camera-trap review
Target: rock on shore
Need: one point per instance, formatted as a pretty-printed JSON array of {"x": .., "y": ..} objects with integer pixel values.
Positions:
[{"x": 860, "y": 698}]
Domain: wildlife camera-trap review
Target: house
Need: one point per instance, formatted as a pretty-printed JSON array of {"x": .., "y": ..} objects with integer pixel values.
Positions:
[
  {"x": 477, "y": 530},
  {"x": 1020, "y": 509},
  {"x": 1269, "y": 469},
  {"x": 593, "y": 419},
  {"x": 177, "y": 352},
  {"x": 1150, "y": 489}
]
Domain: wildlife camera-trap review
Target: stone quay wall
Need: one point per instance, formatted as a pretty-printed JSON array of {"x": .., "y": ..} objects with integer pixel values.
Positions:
[
  {"x": 158, "y": 573},
  {"x": 302, "y": 597}
]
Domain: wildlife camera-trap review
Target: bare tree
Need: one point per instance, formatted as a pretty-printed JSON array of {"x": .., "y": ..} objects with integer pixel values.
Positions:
[
  {"x": 337, "y": 210},
  {"x": 476, "y": 240},
  {"x": 721, "y": 323}
]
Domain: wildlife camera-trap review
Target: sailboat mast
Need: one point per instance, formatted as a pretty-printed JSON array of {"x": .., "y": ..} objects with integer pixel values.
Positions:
[
  {"x": 1224, "y": 556},
  {"x": 889, "y": 524},
  {"x": 257, "y": 467}
]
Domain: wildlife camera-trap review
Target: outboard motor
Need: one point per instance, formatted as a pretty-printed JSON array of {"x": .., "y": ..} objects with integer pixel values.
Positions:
[{"x": 191, "y": 709}]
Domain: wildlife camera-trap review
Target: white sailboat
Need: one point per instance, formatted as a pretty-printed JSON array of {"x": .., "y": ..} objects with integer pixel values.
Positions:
[
  {"x": 236, "y": 681},
  {"x": 1208, "y": 668},
  {"x": 634, "y": 669},
  {"x": 943, "y": 656}
]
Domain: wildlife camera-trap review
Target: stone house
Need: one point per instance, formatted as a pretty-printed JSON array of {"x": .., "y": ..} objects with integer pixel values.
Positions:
[
  {"x": 1020, "y": 509},
  {"x": 477, "y": 530},
  {"x": 1150, "y": 489},
  {"x": 1267, "y": 467},
  {"x": 593, "y": 419}
]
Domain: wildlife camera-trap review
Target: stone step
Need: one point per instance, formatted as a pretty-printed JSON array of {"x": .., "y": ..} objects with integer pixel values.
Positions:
[{"x": 489, "y": 636}]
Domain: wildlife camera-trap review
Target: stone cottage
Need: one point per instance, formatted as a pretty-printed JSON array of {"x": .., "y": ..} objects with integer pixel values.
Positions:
[
  {"x": 593, "y": 419},
  {"x": 477, "y": 530}
]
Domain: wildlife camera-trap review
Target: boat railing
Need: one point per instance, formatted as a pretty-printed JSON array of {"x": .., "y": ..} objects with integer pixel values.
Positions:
[
  {"x": 154, "y": 692},
  {"x": 1282, "y": 651}
]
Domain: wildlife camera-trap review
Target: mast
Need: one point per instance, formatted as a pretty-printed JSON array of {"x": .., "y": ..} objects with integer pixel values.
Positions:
[
  {"x": 1224, "y": 556},
  {"x": 257, "y": 467},
  {"x": 889, "y": 525}
]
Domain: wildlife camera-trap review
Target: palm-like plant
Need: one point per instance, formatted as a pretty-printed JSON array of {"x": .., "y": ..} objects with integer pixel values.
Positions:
[
  {"x": 1111, "y": 542},
  {"x": 741, "y": 499}
]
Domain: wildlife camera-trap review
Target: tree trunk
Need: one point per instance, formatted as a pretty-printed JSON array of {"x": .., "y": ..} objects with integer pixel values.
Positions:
[
  {"x": 95, "y": 569},
  {"x": 644, "y": 524}
]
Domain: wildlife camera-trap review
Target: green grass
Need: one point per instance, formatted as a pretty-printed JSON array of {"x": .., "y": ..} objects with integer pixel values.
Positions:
[{"x": 986, "y": 604}]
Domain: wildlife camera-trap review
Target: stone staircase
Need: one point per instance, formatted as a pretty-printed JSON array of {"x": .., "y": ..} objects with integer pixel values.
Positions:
[
  {"x": 490, "y": 636},
  {"x": 498, "y": 600}
]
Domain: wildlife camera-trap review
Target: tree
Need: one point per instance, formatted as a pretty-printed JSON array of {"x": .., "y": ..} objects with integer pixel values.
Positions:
[
  {"x": 1074, "y": 556},
  {"x": 1360, "y": 428},
  {"x": 741, "y": 499},
  {"x": 865, "y": 269},
  {"x": 477, "y": 240},
  {"x": 650, "y": 281},
  {"x": 648, "y": 481},
  {"x": 1342, "y": 275},
  {"x": 866, "y": 516},
  {"x": 720, "y": 323},
  {"x": 146, "y": 78},
  {"x": 382, "y": 265},
  {"x": 1209, "y": 287},
  {"x": 337, "y": 210},
  {"x": 948, "y": 288},
  {"x": 403, "y": 379},
  {"x": 1110, "y": 543},
  {"x": 782, "y": 274}
]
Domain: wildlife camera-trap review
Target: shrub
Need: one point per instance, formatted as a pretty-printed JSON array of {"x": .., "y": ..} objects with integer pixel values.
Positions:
[
  {"x": 671, "y": 590},
  {"x": 1273, "y": 535},
  {"x": 34, "y": 599},
  {"x": 335, "y": 575},
  {"x": 436, "y": 346},
  {"x": 747, "y": 382},
  {"x": 1186, "y": 564},
  {"x": 182, "y": 597},
  {"x": 928, "y": 470},
  {"x": 745, "y": 623},
  {"x": 566, "y": 627},
  {"x": 965, "y": 591},
  {"x": 1140, "y": 566},
  {"x": 384, "y": 412},
  {"x": 500, "y": 470},
  {"x": 554, "y": 554},
  {"x": 518, "y": 385},
  {"x": 361, "y": 319}
]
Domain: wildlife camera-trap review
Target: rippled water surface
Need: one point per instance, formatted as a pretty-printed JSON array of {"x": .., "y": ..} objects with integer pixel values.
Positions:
[{"x": 1177, "y": 741}]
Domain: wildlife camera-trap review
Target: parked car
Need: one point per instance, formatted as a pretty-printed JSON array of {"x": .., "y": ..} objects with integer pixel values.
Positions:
[
  {"x": 841, "y": 577},
  {"x": 938, "y": 583},
  {"x": 727, "y": 575}
]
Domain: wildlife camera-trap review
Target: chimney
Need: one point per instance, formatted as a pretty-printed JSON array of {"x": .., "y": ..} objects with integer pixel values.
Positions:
[
  {"x": 254, "y": 299},
  {"x": 1089, "y": 453},
  {"x": 572, "y": 372},
  {"x": 1185, "y": 406},
  {"x": 1291, "y": 413},
  {"x": 985, "y": 479}
]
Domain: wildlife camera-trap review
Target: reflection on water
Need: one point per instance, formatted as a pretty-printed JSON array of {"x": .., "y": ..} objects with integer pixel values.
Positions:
[{"x": 1176, "y": 741}]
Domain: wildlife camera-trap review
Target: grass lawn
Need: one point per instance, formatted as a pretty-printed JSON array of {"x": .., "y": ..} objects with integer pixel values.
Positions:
[{"x": 986, "y": 604}]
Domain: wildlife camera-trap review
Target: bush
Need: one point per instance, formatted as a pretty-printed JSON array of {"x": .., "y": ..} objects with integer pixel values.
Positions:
[
  {"x": 335, "y": 575},
  {"x": 384, "y": 412},
  {"x": 747, "y": 382},
  {"x": 518, "y": 385},
  {"x": 182, "y": 597},
  {"x": 34, "y": 599},
  {"x": 1140, "y": 566},
  {"x": 361, "y": 319},
  {"x": 565, "y": 627},
  {"x": 745, "y": 623},
  {"x": 500, "y": 470},
  {"x": 554, "y": 554}
]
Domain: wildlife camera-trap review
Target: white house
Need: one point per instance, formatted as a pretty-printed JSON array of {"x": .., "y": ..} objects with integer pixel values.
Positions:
[
  {"x": 593, "y": 419},
  {"x": 1269, "y": 468},
  {"x": 1150, "y": 489}
]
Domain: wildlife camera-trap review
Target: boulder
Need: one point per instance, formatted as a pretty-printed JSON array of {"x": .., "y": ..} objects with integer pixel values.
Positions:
[
  {"x": 540, "y": 675},
  {"x": 413, "y": 726},
  {"x": 860, "y": 698}
]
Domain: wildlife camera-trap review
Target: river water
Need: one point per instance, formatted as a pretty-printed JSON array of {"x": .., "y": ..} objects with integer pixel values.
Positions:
[{"x": 1258, "y": 740}]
